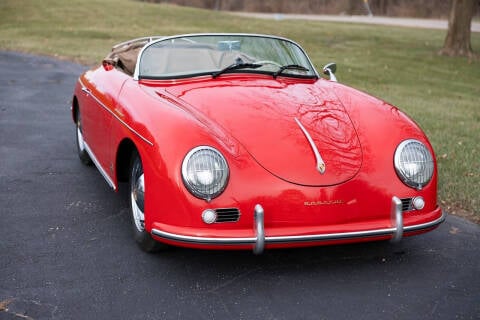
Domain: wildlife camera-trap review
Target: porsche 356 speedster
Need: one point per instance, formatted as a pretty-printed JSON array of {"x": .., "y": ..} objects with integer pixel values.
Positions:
[{"x": 235, "y": 141}]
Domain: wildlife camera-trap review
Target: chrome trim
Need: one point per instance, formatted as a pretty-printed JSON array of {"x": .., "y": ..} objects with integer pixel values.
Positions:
[
  {"x": 89, "y": 92},
  {"x": 99, "y": 167},
  {"x": 330, "y": 74},
  {"x": 203, "y": 240},
  {"x": 407, "y": 204},
  {"x": 293, "y": 239},
  {"x": 137, "y": 65},
  {"x": 85, "y": 90},
  {"x": 397, "y": 219},
  {"x": 129, "y": 42},
  {"x": 320, "y": 163},
  {"x": 191, "y": 188},
  {"x": 227, "y": 215},
  {"x": 407, "y": 181},
  {"x": 259, "y": 230},
  {"x": 426, "y": 225}
]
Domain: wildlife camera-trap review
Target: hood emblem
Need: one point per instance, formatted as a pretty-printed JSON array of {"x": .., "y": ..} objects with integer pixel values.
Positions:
[{"x": 321, "y": 167}]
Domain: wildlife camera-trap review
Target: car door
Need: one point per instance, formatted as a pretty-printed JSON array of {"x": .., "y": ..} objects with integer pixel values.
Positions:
[{"x": 100, "y": 91}]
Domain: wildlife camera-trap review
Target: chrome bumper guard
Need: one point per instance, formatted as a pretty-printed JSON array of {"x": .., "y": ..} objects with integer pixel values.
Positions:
[
  {"x": 259, "y": 230},
  {"x": 260, "y": 239},
  {"x": 397, "y": 219}
]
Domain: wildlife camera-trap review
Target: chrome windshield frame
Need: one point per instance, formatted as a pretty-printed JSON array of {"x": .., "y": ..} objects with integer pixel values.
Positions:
[{"x": 136, "y": 75}]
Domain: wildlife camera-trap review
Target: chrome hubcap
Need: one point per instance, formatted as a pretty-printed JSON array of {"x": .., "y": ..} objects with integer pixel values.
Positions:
[
  {"x": 138, "y": 198},
  {"x": 81, "y": 143}
]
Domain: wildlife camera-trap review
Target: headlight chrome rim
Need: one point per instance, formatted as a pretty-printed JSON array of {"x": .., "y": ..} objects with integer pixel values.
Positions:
[
  {"x": 205, "y": 172},
  {"x": 414, "y": 163}
]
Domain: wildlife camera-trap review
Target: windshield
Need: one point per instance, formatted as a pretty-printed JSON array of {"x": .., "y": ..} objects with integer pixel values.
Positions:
[{"x": 194, "y": 55}]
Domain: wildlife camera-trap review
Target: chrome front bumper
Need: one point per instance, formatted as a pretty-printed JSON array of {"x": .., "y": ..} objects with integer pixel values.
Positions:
[{"x": 258, "y": 242}]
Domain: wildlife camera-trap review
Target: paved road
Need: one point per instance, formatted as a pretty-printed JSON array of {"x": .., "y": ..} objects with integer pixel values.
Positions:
[
  {"x": 66, "y": 250},
  {"x": 401, "y": 22}
]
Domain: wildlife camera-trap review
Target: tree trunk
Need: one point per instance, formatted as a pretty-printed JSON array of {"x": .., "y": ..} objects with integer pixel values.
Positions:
[{"x": 457, "y": 42}]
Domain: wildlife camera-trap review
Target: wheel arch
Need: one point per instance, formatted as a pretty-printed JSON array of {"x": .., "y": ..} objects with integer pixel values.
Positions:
[{"x": 75, "y": 108}]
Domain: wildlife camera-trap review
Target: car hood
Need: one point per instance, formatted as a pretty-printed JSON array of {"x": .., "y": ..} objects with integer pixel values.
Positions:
[{"x": 288, "y": 128}]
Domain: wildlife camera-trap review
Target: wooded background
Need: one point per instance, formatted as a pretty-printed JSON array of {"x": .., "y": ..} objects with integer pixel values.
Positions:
[{"x": 394, "y": 8}]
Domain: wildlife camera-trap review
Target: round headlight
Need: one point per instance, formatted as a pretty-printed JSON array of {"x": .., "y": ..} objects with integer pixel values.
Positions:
[
  {"x": 205, "y": 172},
  {"x": 414, "y": 163}
]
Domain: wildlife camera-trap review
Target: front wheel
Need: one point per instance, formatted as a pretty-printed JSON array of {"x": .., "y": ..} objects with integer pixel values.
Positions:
[
  {"x": 81, "y": 150},
  {"x": 137, "y": 207}
]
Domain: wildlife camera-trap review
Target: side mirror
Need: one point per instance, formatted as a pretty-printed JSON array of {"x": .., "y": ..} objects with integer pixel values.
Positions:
[{"x": 330, "y": 70}]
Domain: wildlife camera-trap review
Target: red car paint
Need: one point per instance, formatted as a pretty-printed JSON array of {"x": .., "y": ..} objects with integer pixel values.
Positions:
[{"x": 250, "y": 119}]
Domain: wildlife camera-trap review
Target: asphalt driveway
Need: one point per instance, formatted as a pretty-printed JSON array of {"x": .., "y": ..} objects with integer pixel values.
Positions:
[{"x": 66, "y": 250}]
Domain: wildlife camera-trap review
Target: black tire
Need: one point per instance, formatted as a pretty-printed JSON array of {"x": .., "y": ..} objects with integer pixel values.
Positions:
[
  {"x": 137, "y": 200},
  {"x": 81, "y": 150}
]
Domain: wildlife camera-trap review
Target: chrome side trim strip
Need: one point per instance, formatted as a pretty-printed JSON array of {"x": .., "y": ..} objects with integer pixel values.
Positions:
[
  {"x": 331, "y": 236},
  {"x": 259, "y": 230},
  {"x": 89, "y": 92},
  {"x": 426, "y": 225},
  {"x": 397, "y": 219},
  {"x": 86, "y": 91},
  {"x": 320, "y": 163},
  {"x": 99, "y": 167},
  {"x": 293, "y": 239},
  {"x": 203, "y": 240}
]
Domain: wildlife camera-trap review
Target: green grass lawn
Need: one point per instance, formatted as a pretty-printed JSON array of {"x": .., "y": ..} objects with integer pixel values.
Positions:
[{"x": 397, "y": 64}]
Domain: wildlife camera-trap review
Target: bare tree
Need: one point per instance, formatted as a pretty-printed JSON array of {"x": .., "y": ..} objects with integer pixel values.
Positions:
[{"x": 457, "y": 42}]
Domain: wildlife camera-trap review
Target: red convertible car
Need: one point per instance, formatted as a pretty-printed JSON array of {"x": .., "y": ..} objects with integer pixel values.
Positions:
[{"x": 234, "y": 141}]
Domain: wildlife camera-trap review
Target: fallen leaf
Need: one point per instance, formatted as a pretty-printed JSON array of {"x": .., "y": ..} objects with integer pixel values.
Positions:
[
  {"x": 454, "y": 230},
  {"x": 4, "y": 304}
]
